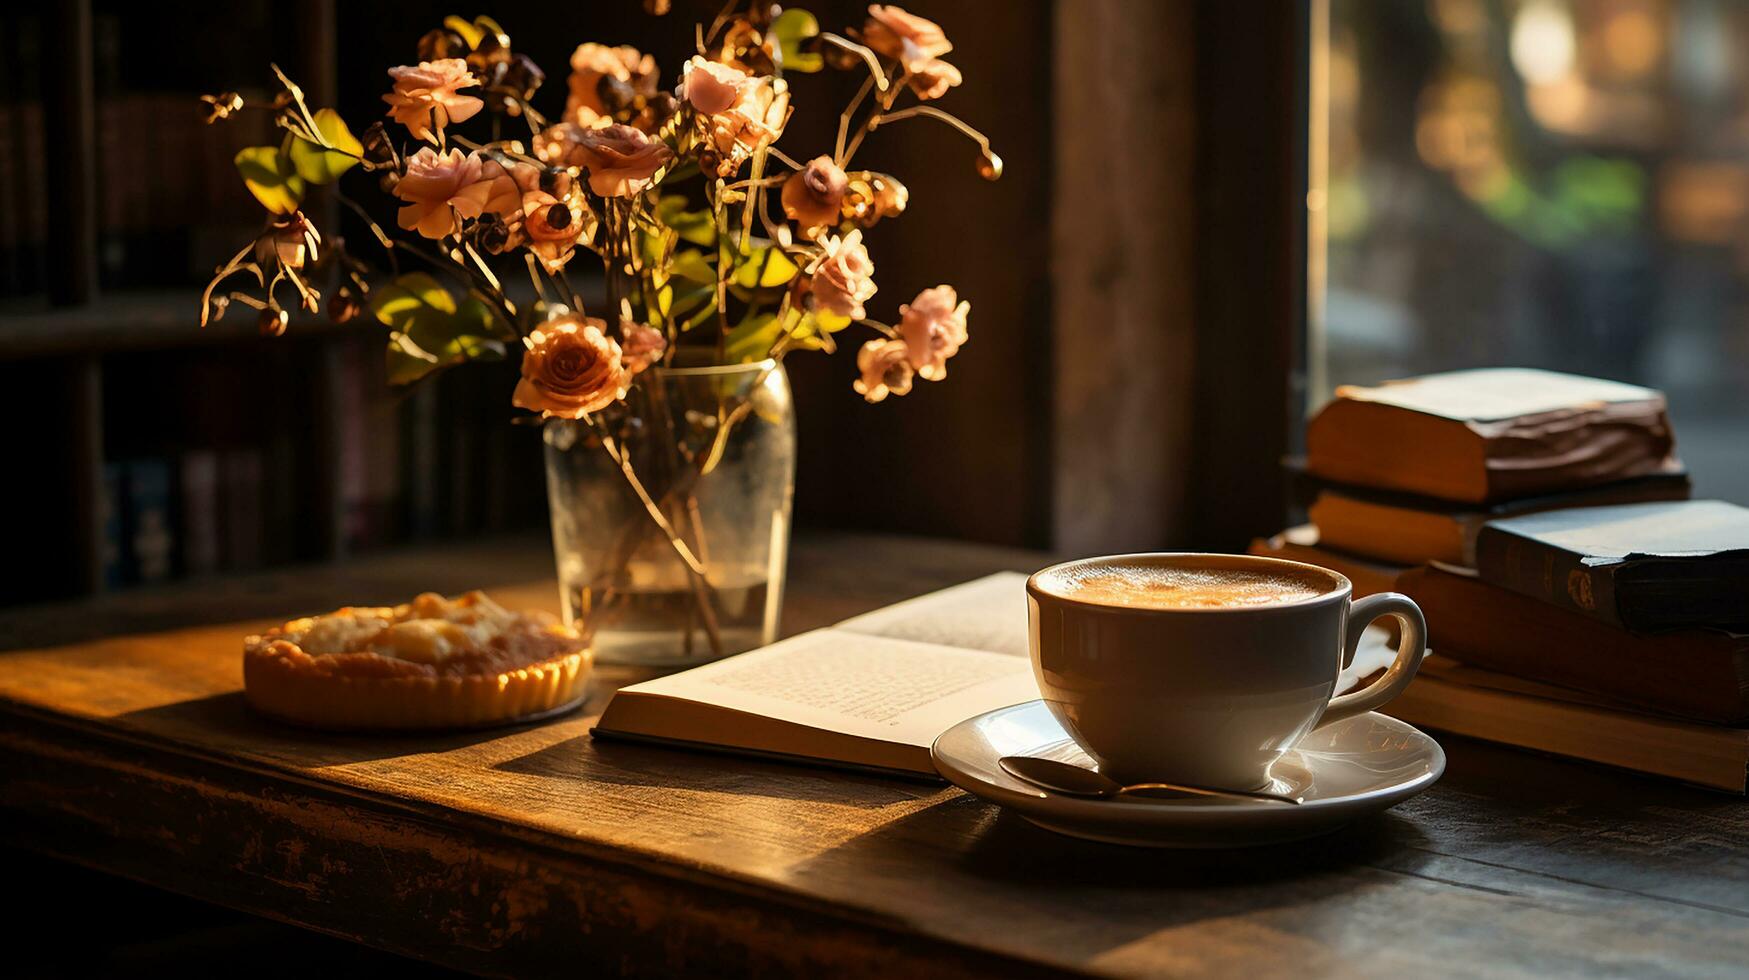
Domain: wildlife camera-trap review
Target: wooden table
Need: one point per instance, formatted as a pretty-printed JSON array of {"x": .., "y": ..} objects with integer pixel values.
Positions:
[{"x": 126, "y": 746}]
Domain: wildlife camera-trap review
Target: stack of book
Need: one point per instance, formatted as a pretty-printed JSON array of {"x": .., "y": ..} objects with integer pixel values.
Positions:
[{"x": 1577, "y": 602}]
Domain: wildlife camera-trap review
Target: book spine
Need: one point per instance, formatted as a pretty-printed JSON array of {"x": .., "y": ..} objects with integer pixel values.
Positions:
[{"x": 1560, "y": 578}]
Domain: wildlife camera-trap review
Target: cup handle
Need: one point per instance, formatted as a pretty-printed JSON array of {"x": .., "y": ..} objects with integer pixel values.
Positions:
[{"x": 1410, "y": 649}]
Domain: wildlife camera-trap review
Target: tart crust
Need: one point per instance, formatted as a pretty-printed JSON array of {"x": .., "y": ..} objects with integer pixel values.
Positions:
[{"x": 428, "y": 664}]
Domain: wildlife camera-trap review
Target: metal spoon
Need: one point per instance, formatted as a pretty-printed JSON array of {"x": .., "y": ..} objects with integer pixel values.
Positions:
[{"x": 1073, "y": 780}]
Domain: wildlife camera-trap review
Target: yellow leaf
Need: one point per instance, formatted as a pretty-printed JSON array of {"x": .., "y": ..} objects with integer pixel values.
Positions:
[{"x": 271, "y": 177}]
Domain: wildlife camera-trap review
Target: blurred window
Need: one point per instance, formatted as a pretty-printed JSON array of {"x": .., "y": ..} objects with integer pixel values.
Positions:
[{"x": 1553, "y": 183}]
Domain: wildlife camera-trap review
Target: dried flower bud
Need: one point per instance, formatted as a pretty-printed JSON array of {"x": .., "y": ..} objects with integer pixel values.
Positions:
[
  {"x": 219, "y": 305},
  {"x": 989, "y": 166},
  {"x": 837, "y": 58},
  {"x": 657, "y": 8},
  {"x": 222, "y": 105},
  {"x": 661, "y": 107},
  {"x": 441, "y": 43},
  {"x": 344, "y": 306},
  {"x": 494, "y": 235},
  {"x": 273, "y": 322},
  {"x": 556, "y": 181},
  {"x": 890, "y": 196},
  {"x": 616, "y": 94},
  {"x": 559, "y": 216},
  {"x": 379, "y": 149}
]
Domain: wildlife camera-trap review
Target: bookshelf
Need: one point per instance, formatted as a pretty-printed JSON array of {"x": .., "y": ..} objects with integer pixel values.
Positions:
[{"x": 153, "y": 449}]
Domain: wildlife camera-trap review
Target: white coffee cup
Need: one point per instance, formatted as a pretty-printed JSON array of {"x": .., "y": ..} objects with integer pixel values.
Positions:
[{"x": 1206, "y": 695}]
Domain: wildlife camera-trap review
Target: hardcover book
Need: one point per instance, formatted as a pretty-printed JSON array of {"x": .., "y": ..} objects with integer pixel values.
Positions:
[
  {"x": 1489, "y": 435},
  {"x": 1651, "y": 566},
  {"x": 1304, "y": 544},
  {"x": 1700, "y": 674},
  {"x": 1412, "y": 530},
  {"x": 1485, "y": 704}
]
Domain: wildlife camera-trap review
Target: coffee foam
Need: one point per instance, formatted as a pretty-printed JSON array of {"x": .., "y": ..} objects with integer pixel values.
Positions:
[{"x": 1173, "y": 587}]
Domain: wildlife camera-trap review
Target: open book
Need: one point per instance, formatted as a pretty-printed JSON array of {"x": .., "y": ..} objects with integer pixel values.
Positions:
[{"x": 872, "y": 692}]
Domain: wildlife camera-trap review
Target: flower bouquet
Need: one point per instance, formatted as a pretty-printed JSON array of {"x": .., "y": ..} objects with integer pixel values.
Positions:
[{"x": 670, "y": 443}]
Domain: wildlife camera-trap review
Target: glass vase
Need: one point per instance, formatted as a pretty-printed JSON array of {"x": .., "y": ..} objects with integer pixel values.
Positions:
[{"x": 671, "y": 514}]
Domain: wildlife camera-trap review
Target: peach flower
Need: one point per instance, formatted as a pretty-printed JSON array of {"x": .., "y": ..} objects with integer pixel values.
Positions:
[
  {"x": 571, "y": 368},
  {"x": 591, "y": 63},
  {"x": 842, "y": 274},
  {"x": 500, "y": 196},
  {"x": 641, "y": 345},
  {"x": 933, "y": 327},
  {"x": 885, "y": 369},
  {"x": 759, "y": 117},
  {"x": 813, "y": 195},
  {"x": 712, "y": 87},
  {"x": 896, "y": 33},
  {"x": 440, "y": 189},
  {"x": 620, "y": 159},
  {"x": 428, "y": 91},
  {"x": 931, "y": 78},
  {"x": 554, "y": 215}
]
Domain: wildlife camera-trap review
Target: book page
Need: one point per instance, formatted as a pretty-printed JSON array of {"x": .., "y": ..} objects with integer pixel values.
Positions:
[
  {"x": 1491, "y": 394},
  {"x": 868, "y": 686},
  {"x": 986, "y": 614}
]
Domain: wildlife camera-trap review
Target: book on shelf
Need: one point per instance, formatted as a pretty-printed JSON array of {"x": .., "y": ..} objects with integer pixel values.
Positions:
[
  {"x": 870, "y": 693},
  {"x": 1303, "y": 544},
  {"x": 1453, "y": 697},
  {"x": 198, "y": 511},
  {"x": 1411, "y": 530},
  {"x": 151, "y": 540},
  {"x": 1489, "y": 435},
  {"x": 1650, "y": 566},
  {"x": 1699, "y": 674}
]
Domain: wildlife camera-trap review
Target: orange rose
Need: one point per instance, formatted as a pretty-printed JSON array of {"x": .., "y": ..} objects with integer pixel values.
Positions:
[
  {"x": 931, "y": 78},
  {"x": 590, "y": 65},
  {"x": 841, "y": 280},
  {"x": 427, "y": 92},
  {"x": 571, "y": 368},
  {"x": 554, "y": 214},
  {"x": 933, "y": 327},
  {"x": 885, "y": 370},
  {"x": 905, "y": 36},
  {"x": 620, "y": 159},
  {"x": 813, "y": 195},
  {"x": 440, "y": 189}
]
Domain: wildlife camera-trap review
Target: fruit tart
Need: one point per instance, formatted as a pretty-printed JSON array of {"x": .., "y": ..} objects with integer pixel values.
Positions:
[{"x": 430, "y": 663}]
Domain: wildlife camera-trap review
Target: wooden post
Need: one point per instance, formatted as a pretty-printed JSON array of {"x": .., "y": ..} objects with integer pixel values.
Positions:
[
  {"x": 1123, "y": 272},
  {"x": 70, "y": 128}
]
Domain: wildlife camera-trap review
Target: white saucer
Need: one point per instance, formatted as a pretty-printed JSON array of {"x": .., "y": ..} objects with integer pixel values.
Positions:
[{"x": 1344, "y": 770}]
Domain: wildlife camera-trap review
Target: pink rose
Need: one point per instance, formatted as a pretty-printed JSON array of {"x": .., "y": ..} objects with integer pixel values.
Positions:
[
  {"x": 440, "y": 189},
  {"x": 905, "y": 36},
  {"x": 885, "y": 370},
  {"x": 427, "y": 92},
  {"x": 641, "y": 345},
  {"x": 571, "y": 368},
  {"x": 842, "y": 274},
  {"x": 712, "y": 87},
  {"x": 933, "y": 327},
  {"x": 812, "y": 196},
  {"x": 590, "y": 65},
  {"x": 931, "y": 78},
  {"x": 759, "y": 117},
  {"x": 620, "y": 159}
]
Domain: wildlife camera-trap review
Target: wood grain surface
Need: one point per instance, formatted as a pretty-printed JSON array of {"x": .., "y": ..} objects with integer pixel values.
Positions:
[{"x": 126, "y": 746}]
